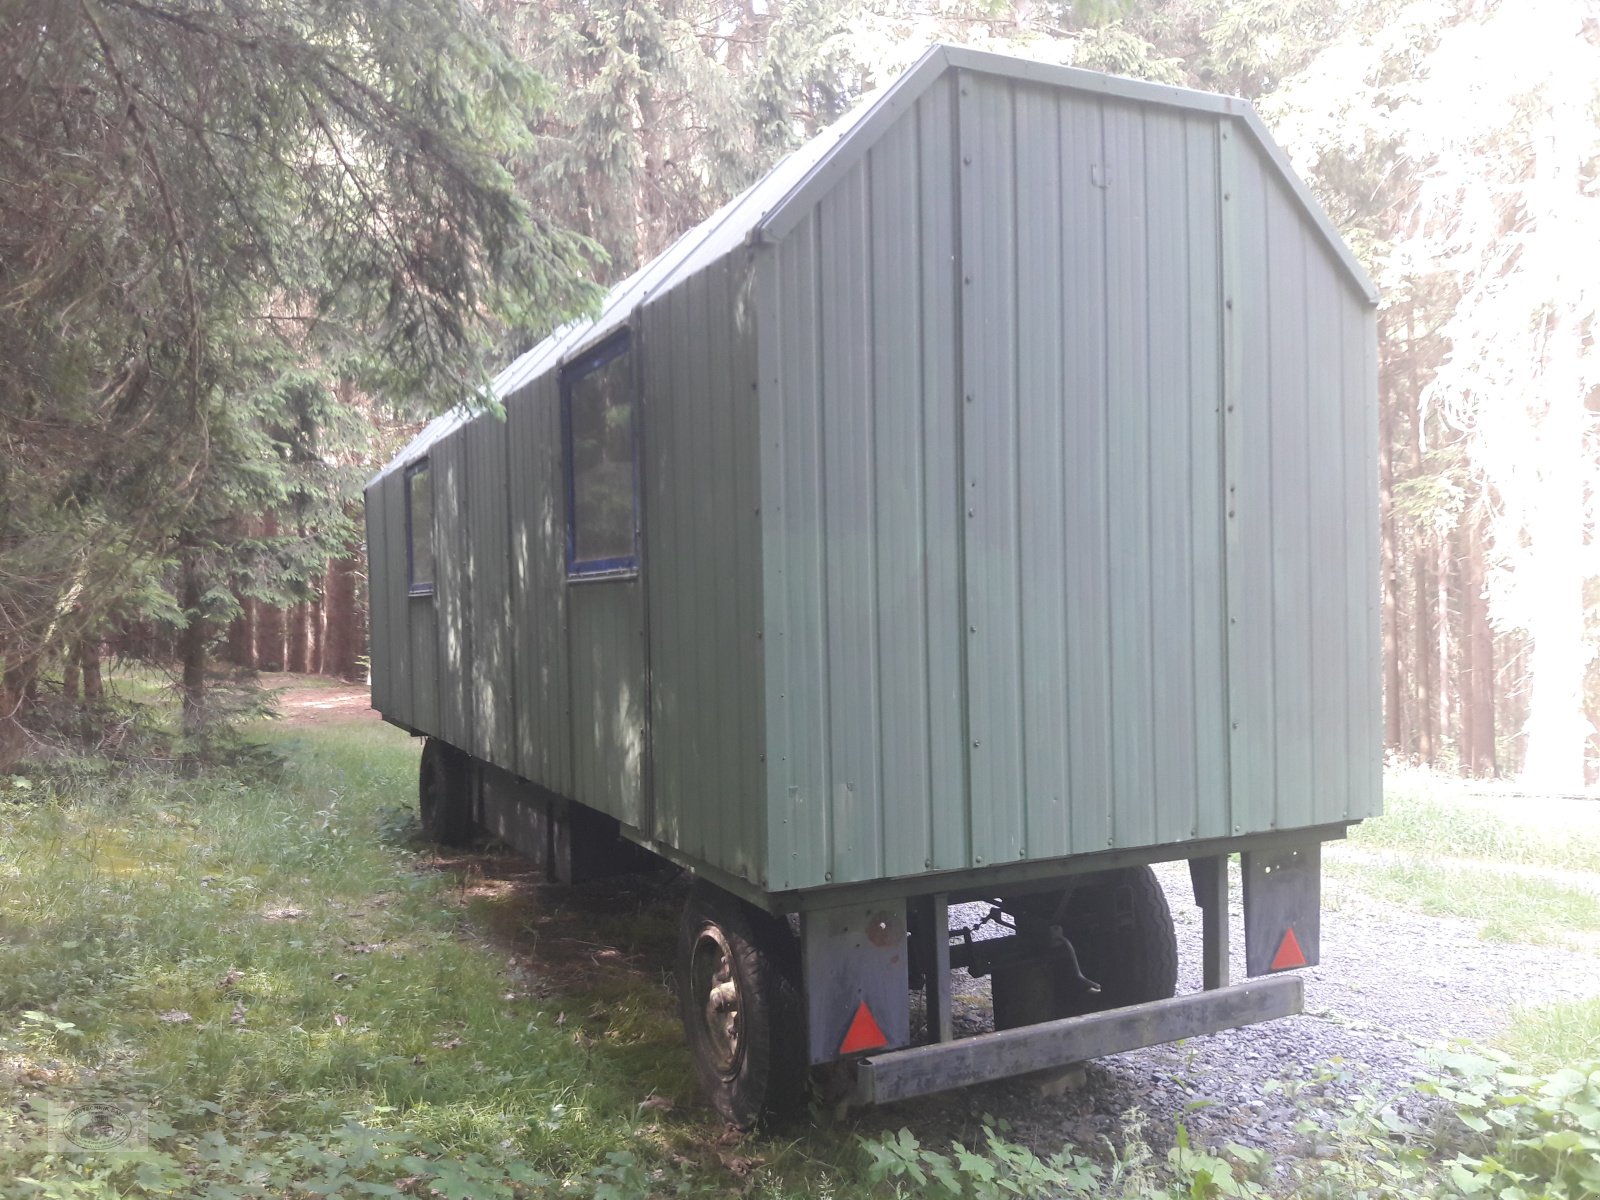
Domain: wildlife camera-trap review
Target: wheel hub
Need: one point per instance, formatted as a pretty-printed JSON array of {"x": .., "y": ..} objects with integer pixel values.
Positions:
[{"x": 717, "y": 984}]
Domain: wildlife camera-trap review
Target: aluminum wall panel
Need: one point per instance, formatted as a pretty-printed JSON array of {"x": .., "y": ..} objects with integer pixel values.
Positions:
[
  {"x": 1086, "y": 545},
  {"x": 938, "y": 290},
  {"x": 606, "y": 642},
  {"x": 538, "y": 590},
  {"x": 380, "y": 582},
  {"x": 793, "y": 496},
  {"x": 702, "y": 564},
  {"x": 488, "y": 547},
  {"x": 1301, "y": 562},
  {"x": 899, "y": 473},
  {"x": 422, "y": 663},
  {"x": 991, "y": 537},
  {"x": 1112, "y": 518},
  {"x": 452, "y": 590}
]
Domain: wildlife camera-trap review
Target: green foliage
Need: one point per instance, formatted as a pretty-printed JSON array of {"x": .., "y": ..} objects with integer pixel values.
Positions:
[{"x": 222, "y": 220}]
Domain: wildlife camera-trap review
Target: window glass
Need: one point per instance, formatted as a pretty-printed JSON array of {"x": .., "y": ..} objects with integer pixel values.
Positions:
[
  {"x": 419, "y": 527},
  {"x": 600, "y": 449}
]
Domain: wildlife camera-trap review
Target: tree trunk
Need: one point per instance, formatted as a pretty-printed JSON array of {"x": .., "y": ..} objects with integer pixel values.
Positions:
[
  {"x": 1478, "y": 679},
  {"x": 342, "y": 645},
  {"x": 89, "y": 661},
  {"x": 13, "y": 700},
  {"x": 269, "y": 617},
  {"x": 1422, "y": 575},
  {"x": 71, "y": 675},
  {"x": 1393, "y": 693},
  {"x": 192, "y": 647},
  {"x": 299, "y": 638},
  {"x": 242, "y": 635},
  {"x": 314, "y": 631}
]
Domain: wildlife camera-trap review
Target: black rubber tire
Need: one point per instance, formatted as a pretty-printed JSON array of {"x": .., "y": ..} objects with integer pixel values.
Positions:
[
  {"x": 1121, "y": 927},
  {"x": 444, "y": 801},
  {"x": 1122, "y": 930},
  {"x": 751, "y": 1063}
]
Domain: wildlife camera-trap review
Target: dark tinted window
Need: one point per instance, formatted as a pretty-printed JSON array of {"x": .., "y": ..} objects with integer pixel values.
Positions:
[
  {"x": 419, "y": 527},
  {"x": 600, "y": 455}
]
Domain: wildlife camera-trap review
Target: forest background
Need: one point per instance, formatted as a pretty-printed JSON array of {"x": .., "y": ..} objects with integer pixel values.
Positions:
[{"x": 247, "y": 246}]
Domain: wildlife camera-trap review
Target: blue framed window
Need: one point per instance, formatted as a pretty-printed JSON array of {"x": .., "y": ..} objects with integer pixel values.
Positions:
[
  {"x": 419, "y": 529},
  {"x": 599, "y": 426}
]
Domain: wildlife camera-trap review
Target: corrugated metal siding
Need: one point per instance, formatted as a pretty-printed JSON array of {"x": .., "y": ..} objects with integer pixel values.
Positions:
[
  {"x": 606, "y": 647},
  {"x": 380, "y": 565},
  {"x": 1073, "y": 457},
  {"x": 1302, "y": 517},
  {"x": 702, "y": 556},
  {"x": 539, "y": 593},
  {"x": 487, "y": 543},
  {"x": 452, "y": 600},
  {"x": 861, "y": 495}
]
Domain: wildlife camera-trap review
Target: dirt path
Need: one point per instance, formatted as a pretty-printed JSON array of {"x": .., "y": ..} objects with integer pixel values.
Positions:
[{"x": 317, "y": 700}]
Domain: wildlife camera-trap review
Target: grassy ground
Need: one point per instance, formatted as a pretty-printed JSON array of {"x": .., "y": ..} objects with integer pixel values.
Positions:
[
  {"x": 1527, "y": 869},
  {"x": 268, "y": 987},
  {"x": 285, "y": 989}
]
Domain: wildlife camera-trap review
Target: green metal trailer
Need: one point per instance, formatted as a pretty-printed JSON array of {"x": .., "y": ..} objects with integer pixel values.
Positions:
[{"x": 980, "y": 506}]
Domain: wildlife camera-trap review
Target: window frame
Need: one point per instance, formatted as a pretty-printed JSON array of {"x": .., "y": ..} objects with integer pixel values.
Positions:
[
  {"x": 622, "y": 566},
  {"x": 413, "y": 586}
]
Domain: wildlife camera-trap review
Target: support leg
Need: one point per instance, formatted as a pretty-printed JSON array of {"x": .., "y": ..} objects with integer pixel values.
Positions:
[
  {"x": 1210, "y": 878},
  {"x": 933, "y": 926}
]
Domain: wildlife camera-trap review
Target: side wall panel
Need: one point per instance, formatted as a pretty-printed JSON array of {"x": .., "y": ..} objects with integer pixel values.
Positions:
[
  {"x": 380, "y": 582},
  {"x": 1302, "y": 558},
  {"x": 702, "y": 568},
  {"x": 488, "y": 545},
  {"x": 538, "y": 592},
  {"x": 861, "y": 500},
  {"x": 452, "y": 602}
]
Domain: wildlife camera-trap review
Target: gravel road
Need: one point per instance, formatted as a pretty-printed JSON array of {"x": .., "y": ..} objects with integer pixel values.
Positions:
[{"x": 1391, "y": 984}]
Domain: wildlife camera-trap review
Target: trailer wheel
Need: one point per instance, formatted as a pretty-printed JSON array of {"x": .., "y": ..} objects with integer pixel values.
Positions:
[
  {"x": 737, "y": 994},
  {"x": 1121, "y": 928},
  {"x": 443, "y": 794}
]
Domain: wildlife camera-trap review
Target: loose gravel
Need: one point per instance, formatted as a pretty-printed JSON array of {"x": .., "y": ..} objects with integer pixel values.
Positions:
[{"x": 1391, "y": 985}]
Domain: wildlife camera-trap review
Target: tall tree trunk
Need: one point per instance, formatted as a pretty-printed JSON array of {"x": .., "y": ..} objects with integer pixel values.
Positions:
[
  {"x": 1393, "y": 691},
  {"x": 342, "y": 646},
  {"x": 269, "y": 617},
  {"x": 1477, "y": 699},
  {"x": 299, "y": 638},
  {"x": 314, "y": 630},
  {"x": 192, "y": 647},
  {"x": 89, "y": 661},
  {"x": 71, "y": 678},
  {"x": 1422, "y": 574},
  {"x": 14, "y": 683},
  {"x": 242, "y": 634}
]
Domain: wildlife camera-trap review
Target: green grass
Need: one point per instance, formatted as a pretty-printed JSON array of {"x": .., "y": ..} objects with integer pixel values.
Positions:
[
  {"x": 1527, "y": 868},
  {"x": 256, "y": 966},
  {"x": 1555, "y": 1035},
  {"x": 1440, "y": 817},
  {"x": 1512, "y": 907}
]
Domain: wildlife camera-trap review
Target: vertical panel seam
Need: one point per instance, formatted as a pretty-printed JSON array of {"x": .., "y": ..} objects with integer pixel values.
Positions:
[{"x": 1015, "y": 389}]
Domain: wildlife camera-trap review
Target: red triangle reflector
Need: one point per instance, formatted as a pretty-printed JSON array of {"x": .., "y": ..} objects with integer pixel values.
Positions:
[
  {"x": 1289, "y": 953},
  {"x": 864, "y": 1033}
]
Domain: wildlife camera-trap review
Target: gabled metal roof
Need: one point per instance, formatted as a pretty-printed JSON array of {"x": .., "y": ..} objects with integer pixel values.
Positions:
[{"x": 769, "y": 208}]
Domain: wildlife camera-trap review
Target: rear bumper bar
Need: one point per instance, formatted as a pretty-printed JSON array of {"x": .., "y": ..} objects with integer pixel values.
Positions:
[{"x": 901, "y": 1074}]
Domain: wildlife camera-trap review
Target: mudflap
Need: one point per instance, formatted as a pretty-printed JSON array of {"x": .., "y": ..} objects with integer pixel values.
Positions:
[
  {"x": 1282, "y": 908},
  {"x": 856, "y": 979}
]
